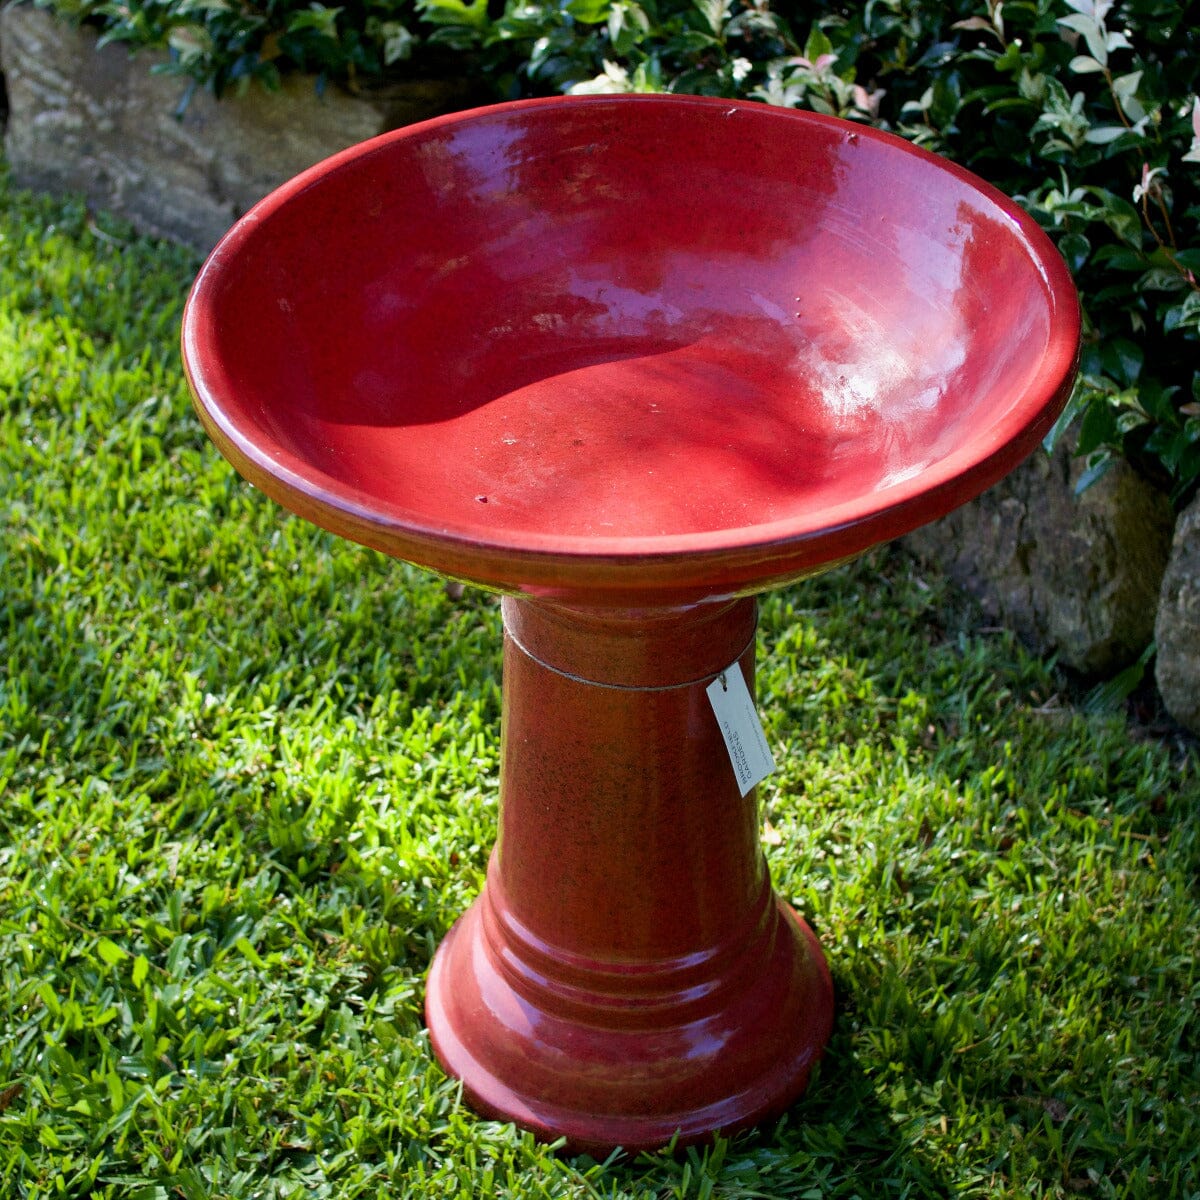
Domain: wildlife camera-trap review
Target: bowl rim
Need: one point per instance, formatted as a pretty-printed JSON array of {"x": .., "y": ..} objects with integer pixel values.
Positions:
[{"x": 733, "y": 560}]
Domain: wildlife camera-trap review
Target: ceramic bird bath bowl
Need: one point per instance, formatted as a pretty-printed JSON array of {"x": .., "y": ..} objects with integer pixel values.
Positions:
[{"x": 629, "y": 361}]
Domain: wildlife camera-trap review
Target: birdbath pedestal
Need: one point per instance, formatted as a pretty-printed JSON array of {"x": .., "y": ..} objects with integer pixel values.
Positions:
[{"x": 629, "y": 361}]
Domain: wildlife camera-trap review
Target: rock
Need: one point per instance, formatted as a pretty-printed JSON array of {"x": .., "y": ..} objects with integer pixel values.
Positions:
[
  {"x": 1178, "y": 627},
  {"x": 1075, "y": 576},
  {"x": 96, "y": 121}
]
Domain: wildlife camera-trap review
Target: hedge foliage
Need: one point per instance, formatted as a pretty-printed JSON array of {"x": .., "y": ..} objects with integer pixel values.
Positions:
[{"x": 1085, "y": 110}]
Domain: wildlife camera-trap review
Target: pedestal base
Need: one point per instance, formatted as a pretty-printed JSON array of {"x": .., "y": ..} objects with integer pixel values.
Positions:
[
  {"x": 627, "y": 973},
  {"x": 630, "y": 1057}
]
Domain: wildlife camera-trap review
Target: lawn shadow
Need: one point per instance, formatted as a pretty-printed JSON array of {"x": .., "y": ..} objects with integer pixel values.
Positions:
[
  {"x": 848, "y": 1129},
  {"x": 838, "y": 1139}
]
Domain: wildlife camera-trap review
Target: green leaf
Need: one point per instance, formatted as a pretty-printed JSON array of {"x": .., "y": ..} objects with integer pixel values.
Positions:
[
  {"x": 1074, "y": 406},
  {"x": 1095, "y": 471},
  {"x": 1158, "y": 401},
  {"x": 1075, "y": 248},
  {"x": 318, "y": 18},
  {"x": 1011, "y": 60},
  {"x": 627, "y": 25},
  {"x": 1120, "y": 216},
  {"x": 817, "y": 45},
  {"x": 141, "y": 968},
  {"x": 945, "y": 102},
  {"x": 1168, "y": 446},
  {"x": 1162, "y": 279},
  {"x": 1188, "y": 472},
  {"x": 247, "y": 950},
  {"x": 110, "y": 952},
  {"x": 1122, "y": 359},
  {"x": 1126, "y": 86},
  {"x": 190, "y": 41},
  {"x": 1098, "y": 427},
  {"x": 1101, "y": 135},
  {"x": 1008, "y": 102},
  {"x": 1121, "y": 258},
  {"x": 1181, "y": 316},
  {"x": 1092, "y": 34},
  {"x": 398, "y": 41},
  {"x": 454, "y": 12},
  {"x": 590, "y": 12},
  {"x": 714, "y": 12}
]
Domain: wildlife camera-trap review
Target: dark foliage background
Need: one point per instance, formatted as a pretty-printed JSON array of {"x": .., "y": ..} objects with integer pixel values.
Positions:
[{"x": 1085, "y": 110}]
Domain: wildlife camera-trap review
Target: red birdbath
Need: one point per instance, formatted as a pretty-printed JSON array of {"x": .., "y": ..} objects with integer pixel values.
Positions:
[{"x": 629, "y": 361}]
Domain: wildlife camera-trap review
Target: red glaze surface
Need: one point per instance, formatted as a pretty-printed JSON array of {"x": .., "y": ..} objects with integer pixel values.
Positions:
[
  {"x": 629, "y": 358},
  {"x": 630, "y": 350},
  {"x": 627, "y": 972}
]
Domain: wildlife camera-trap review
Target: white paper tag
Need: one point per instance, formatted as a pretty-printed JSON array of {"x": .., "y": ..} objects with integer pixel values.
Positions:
[{"x": 741, "y": 728}]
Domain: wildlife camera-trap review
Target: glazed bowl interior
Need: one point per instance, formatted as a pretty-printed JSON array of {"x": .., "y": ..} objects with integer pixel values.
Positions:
[{"x": 681, "y": 336}]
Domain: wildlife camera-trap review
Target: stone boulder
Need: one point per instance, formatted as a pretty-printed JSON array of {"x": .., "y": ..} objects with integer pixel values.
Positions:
[
  {"x": 1178, "y": 626},
  {"x": 1075, "y": 576},
  {"x": 96, "y": 121}
]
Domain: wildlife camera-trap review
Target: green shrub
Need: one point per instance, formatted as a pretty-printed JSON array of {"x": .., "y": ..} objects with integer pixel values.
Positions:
[
  {"x": 1086, "y": 111},
  {"x": 224, "y": 44}
]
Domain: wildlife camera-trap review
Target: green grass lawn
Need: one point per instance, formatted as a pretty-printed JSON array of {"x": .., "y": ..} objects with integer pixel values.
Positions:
[{"x": 248, "y": 779}]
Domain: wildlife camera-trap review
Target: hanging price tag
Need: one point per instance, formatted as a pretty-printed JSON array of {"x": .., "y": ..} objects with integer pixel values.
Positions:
[{"x": 741, "y": 728}]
